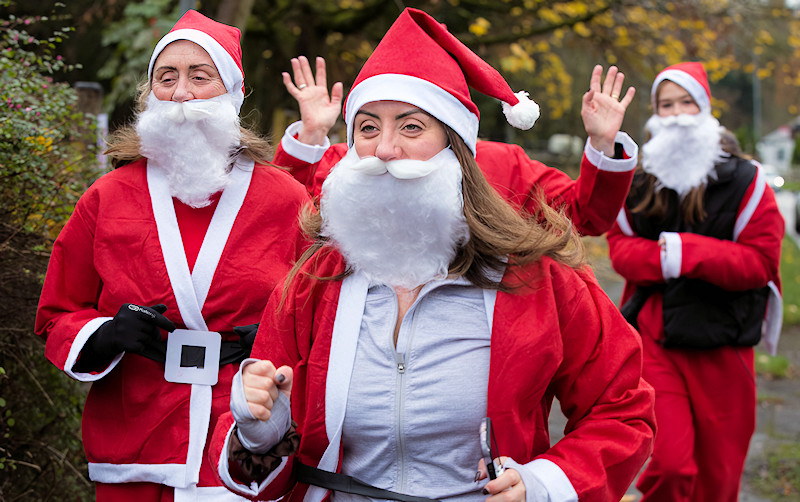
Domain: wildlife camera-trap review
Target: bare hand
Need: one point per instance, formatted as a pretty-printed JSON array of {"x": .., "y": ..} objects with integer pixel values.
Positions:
[
  {"x": 509, "y": 484},
  {"x": 318, "y": 110},
  {"x": 602, "y": 110},
  {"x": 262, "y": 382}
]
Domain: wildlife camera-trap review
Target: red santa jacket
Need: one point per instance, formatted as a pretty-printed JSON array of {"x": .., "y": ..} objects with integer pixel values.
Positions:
[
  {"x": 750, "y": 260},
  {"x": 121, "y": 245},
  {"x": 592, "y": 201},
  {"x": 559, "y": 336}
]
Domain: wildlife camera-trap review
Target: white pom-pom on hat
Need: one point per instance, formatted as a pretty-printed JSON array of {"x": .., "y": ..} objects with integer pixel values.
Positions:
[
  {"x": 419, "y": 62},
  {"x": 524, "y": 114}
]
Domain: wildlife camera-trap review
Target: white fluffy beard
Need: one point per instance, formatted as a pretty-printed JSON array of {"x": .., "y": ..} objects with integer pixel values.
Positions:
[
  {"x": 682, "y": 151},
  {"x": 400, "y": 232},
  {"x": 192, "y": 143}
]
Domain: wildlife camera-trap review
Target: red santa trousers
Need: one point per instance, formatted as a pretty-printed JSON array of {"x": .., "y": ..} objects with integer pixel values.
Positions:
[{"x": 705, "y": 411}]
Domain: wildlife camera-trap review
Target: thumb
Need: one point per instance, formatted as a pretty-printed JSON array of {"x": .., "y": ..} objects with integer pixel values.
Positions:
[
  {"x": 337, "y": 93},
  {"x": 284, "y": 377},
  {"x": 587, "y": 97}
]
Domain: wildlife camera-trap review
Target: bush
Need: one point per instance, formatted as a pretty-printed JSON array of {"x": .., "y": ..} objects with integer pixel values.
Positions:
[
  {"x": 47, "y": 154},
  {"x": 47, "y": 161}
]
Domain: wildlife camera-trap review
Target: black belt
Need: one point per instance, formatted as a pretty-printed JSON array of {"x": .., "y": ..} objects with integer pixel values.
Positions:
[
  {"x": 229, "y": 353},
  {"x": 347, "y": 484}
]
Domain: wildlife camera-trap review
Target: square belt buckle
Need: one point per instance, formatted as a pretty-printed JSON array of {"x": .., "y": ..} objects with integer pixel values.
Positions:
[{"x": 192, "y": 357}]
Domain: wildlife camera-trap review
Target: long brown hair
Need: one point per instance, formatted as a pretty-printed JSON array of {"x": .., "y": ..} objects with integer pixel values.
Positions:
[
  {"x": 124, "y": 148},
  {"x": 496, "y": 230}
]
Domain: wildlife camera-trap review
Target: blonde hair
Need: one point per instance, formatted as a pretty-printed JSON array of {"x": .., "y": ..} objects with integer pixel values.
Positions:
[
  {"x": 124, "y": 148},
  {"x": 496, "y": 229}
]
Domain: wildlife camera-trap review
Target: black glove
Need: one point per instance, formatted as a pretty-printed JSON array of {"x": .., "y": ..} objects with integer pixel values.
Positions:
[
  {"x": 247, "y": 336},
  {"x": 131, "y": 330}
]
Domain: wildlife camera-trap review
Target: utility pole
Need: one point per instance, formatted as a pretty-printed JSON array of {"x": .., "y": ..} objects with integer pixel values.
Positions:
[{"x": 756, "y": 102}]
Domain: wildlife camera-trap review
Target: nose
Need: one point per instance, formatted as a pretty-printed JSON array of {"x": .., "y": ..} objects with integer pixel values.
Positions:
[
  {"x": 387, "y": 148},
  {"x": 183, "y": 91}
]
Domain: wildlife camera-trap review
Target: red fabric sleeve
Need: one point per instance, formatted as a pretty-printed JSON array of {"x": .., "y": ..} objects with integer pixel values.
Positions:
[
  {"x": 610, "y": 409},
  {"x": 636, "y": 259},
  {"x": 591, "y": 202},
  {"x": 749, "y": 262}
]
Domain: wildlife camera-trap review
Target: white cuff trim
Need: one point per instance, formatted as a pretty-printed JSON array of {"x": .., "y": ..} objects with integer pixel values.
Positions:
[
  {"x": 605, "y": 163},
  {"x": 544, "y": 481},
  {"x": 624, "y": 224},
  {"x": 773, "y": 322},
  {"x": 671, "y": 255},
  {"x": 75, "y": 349},
  {"x": 299, "y": 150}
]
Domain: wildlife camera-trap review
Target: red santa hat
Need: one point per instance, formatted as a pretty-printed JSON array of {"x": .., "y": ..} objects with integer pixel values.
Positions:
[
  {"x": 690, "y": 76},
  {"x": 419, "y": 62},
  {"x": 220, "y": 41}
]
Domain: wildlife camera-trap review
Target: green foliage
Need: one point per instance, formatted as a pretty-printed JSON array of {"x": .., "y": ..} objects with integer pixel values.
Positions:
[
  {"x": 771, "y": 366},
  {"x": 46, "y": 161},
  {"x": 779, "y": 477},
  {"x": 790, "y": 281},
  {"x": 796, "y": 153},
  {"x": 41, "y": 456},
  {"x": 46, "y": 157},
  {"x": 133, "y": 38}
]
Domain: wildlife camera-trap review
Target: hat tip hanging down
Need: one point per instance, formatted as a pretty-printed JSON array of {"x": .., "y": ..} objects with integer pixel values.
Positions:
[{"x": 523, "y": 114}]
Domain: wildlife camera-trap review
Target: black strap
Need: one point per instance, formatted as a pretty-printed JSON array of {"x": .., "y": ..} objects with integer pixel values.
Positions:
[
  {"x": 348, "y": 484},
  {"x": 229, "y": 352},
  {"x": 630, "y": 309}
]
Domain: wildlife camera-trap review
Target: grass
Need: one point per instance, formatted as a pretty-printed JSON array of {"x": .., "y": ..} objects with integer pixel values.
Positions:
[
  {"x": 778, "y": 366},
  {"x": 790, "y": 279},
  {"x": 778, "y": 477}
]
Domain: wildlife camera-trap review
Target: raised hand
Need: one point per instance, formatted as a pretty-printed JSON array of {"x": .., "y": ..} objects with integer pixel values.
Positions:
[
  {"x": 318, "y": 109},
  {"x": 602, "y": 110}
]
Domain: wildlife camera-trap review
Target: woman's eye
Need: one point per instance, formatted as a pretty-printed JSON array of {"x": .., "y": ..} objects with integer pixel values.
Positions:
[{"x": 367, "y": 128}]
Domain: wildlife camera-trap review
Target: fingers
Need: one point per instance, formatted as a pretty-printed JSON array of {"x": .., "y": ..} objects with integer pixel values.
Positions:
[
  {"x": 610, "y": 81},
  {"x": 626, "y": 100},
  {"x": 284, "y": 377},
  {"x": 597, "y": 75},
  {"x": 481, "y": 473},
  {"x": 261, "y": 385},
  {"x": 337, "y": 93},
  {"x": 301, "y": 69},
  {"x": 321, "y": 78},
  {"x": 161, "y": 321},
  {"x": 509, "y": 484},
  {"x": 287, "y": 82}
]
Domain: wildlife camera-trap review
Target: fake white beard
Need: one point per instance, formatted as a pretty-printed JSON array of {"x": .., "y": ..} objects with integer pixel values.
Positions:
[
  {"x": 192, "y": 143},
  {"x": 682, "y": 151},
  {"x": 400, "y": 232}
]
